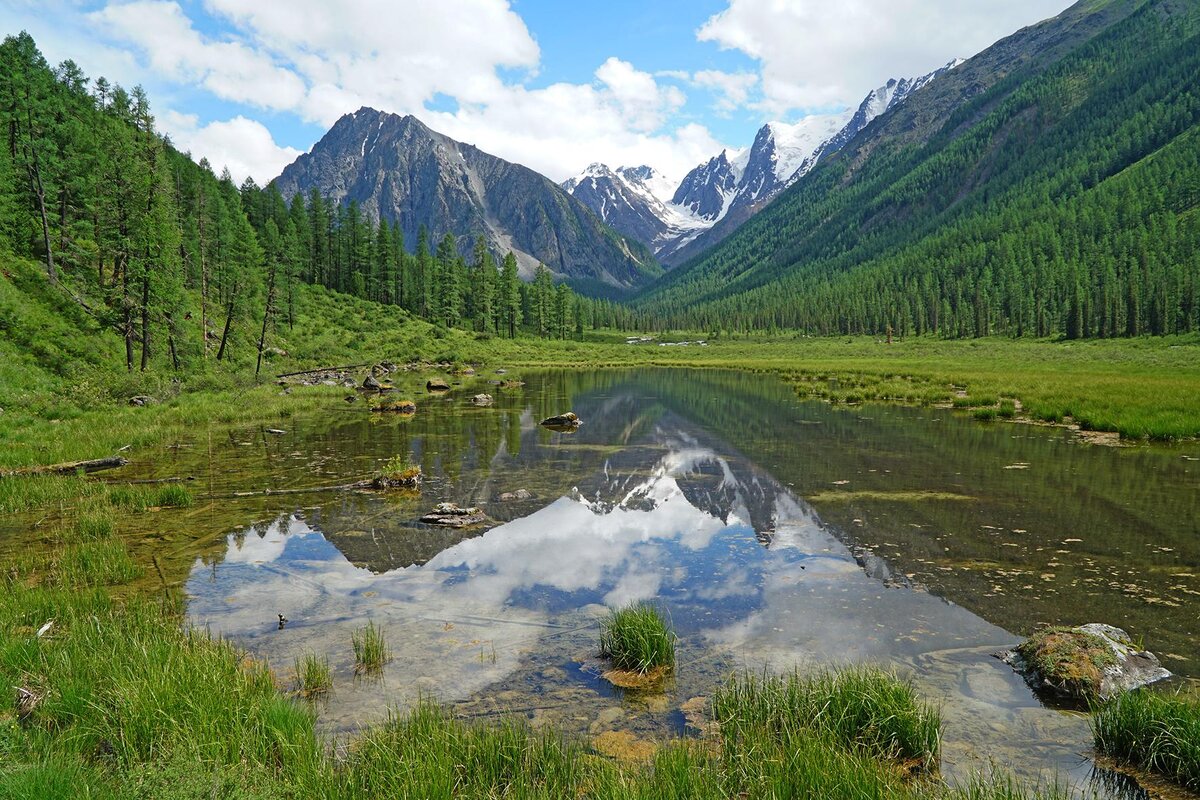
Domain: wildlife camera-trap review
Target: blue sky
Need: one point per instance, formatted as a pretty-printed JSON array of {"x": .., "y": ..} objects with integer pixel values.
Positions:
[{"x": 552, "y": 84}]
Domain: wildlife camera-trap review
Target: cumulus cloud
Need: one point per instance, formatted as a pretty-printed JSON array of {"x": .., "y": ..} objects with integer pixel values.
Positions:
[
  {"x": 243, "y": 145},
  {"x": 229, "y": 69},
  {"x": 814, "y": 53},
  {"x": 319, "y": 60},
  {"x": 732, "y": 88}
]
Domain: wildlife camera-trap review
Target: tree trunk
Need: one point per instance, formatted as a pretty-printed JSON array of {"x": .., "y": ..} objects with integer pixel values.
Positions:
[
  {"x": 203, "y": 277},
  {"x": 262, "y": 337},
  {"x": 39, "y": 191},
  {"x": 171, "y": 342},
  {"x": 145, "y": 318},
  {"x": 228, "y": 323},
  {"x": 127, "y": 311}
]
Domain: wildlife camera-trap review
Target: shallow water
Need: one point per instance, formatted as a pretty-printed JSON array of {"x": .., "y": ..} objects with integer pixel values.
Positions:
[{"x": 778, "y": 533}]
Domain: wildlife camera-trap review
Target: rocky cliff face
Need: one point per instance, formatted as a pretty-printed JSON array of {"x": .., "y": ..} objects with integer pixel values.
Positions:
[
  {"x": 398, "y": 169},
  {"x": 716, "y": 197}
]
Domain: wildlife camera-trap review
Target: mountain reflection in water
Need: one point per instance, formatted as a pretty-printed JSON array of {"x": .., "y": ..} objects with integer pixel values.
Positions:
[{"x": 502, "y": 620}]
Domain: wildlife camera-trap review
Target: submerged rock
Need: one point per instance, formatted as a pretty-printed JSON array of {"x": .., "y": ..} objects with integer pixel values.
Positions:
[
  {"x": 1078, "y": 665},
  {"x": 482, "y": 400},
  {"x": 567, "y": 421},
  {"x": 454, "y": 516},
  {"x": 437, "y": 385}
]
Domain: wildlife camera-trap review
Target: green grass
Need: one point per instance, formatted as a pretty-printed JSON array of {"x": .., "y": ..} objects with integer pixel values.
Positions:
[
  {"x": 1153, "y": 731},
  {"x": 314, "y": 677},
  {"x": 371, "y": 651},
  {"x": 638, "y": 638},
  {"x": 866, "y": 710},
  {"x": 134, "y": 705},
  {"x": 103, "y": 563}
]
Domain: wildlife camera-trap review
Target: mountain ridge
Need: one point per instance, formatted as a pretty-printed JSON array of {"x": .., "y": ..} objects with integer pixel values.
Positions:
[
  {"x": 398, "y": 168},
  {"x": 717, "y": 196}
]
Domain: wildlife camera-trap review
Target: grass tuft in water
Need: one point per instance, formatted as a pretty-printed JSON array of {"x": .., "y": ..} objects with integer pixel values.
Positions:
[
  {"x": 370, "y": 649},
  {"x": 866, "y": 710},
  {"x": 313, "y": 675},
  {"x": 94, "y": 525},
  {"x": 102, "y": 563},
  {"x": 1154, "y": 731},
  {"x": 173, "y": 495},
  {"x": 638, "y": 638}
]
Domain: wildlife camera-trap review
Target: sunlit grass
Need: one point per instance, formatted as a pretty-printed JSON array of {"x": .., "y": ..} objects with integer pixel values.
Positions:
[
  {"x": 314, "y": 677},
  {"x": 865, "y": 710},
  {"x": 1152, "y": 730},
  {"x": 637, "y": 638},
  {"x": 371, "y": 651}
]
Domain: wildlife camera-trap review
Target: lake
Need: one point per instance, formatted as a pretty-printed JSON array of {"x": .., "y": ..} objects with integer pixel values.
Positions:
[{"x": 777, "y": 533}]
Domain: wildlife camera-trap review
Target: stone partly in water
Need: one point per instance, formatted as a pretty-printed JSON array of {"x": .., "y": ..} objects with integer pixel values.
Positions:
[
  {"x": 437, "y": 385},
  {"x": 387, "y": 404},
  {"x": 371, "y": 384},
  {"x": 1078, "y": 665},
  {"x": 482, "y": 400},
  {"x": 453, "y": 516},
  {"x": 567, "y": 421},
  {"x": 405, "y": 479},
  {"x": 653, "y": 679}
]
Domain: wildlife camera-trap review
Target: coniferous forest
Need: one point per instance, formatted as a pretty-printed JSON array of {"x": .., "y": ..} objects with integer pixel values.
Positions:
[
  {"x": 178, "y": 259},
  {"x": 1062, "y": 203},
  {"x": 1059, "y": 203}
]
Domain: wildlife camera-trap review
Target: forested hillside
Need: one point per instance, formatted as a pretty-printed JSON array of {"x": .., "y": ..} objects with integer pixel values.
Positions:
[
  {"x": 397, "y": 169},
  {"x": 1061, "y": 201},
  {"x": 188, "y": 268}
]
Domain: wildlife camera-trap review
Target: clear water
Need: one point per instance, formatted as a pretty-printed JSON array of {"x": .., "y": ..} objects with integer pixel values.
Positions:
[{"x": 777, "y": 533}]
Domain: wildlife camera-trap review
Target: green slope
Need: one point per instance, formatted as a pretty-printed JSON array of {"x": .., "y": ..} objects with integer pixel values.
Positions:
[{"x": 1060, "y": 200}]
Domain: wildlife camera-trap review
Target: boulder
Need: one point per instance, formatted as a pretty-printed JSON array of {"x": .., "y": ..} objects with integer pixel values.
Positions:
[
  {"x": 562, "y": 421},
  {"x": 370, "y": 383},
  {"x": 437, "y": 385},
  {"x": 385, "y": 404},
  {"x": 1079, "y": 665},
  {"x": 453, "y": 516},
  {"x": 482, "y": 400},
  {"x": 142, "y": 400},
  {"x": 519, "y": 494}
]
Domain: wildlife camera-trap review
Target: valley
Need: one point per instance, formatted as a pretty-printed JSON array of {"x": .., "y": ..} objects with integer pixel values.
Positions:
[{"x": 802, "y": 444}]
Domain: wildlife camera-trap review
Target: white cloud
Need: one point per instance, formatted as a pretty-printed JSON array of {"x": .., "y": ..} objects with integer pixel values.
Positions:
[
  {"x": 732, "y": 88},
  {"x": 374, "y": 53},
  {"x": 243, "y": 145},
  {"x": 320, "y": 60},
  {"x": 229, "y": 69},
  {"x": 816, "y": 53}
]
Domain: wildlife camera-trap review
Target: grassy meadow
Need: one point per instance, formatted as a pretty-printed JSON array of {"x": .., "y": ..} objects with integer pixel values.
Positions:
[{"x": 113, "y": 697}]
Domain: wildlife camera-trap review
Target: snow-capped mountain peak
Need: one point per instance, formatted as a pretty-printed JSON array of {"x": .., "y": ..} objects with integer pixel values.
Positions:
[{"x": 732, "y": 185}]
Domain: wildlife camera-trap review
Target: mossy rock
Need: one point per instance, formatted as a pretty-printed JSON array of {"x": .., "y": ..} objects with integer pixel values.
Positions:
[{"x": 1084, "y": 664}]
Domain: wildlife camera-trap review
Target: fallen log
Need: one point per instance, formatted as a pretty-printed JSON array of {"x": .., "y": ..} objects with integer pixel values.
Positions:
[
  {"x": 321, "y": 369},
  {"x": 69, "y": 468}
]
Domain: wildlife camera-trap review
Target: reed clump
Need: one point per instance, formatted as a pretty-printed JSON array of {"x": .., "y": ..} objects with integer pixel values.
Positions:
[
  {"x": 371, "y": 651},
  {"x": 1152, "y": 730},
  {"x": 314, "y": 676},
  {"x": 866, "y": 711},
  {"x": 638, "y": 638}
]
